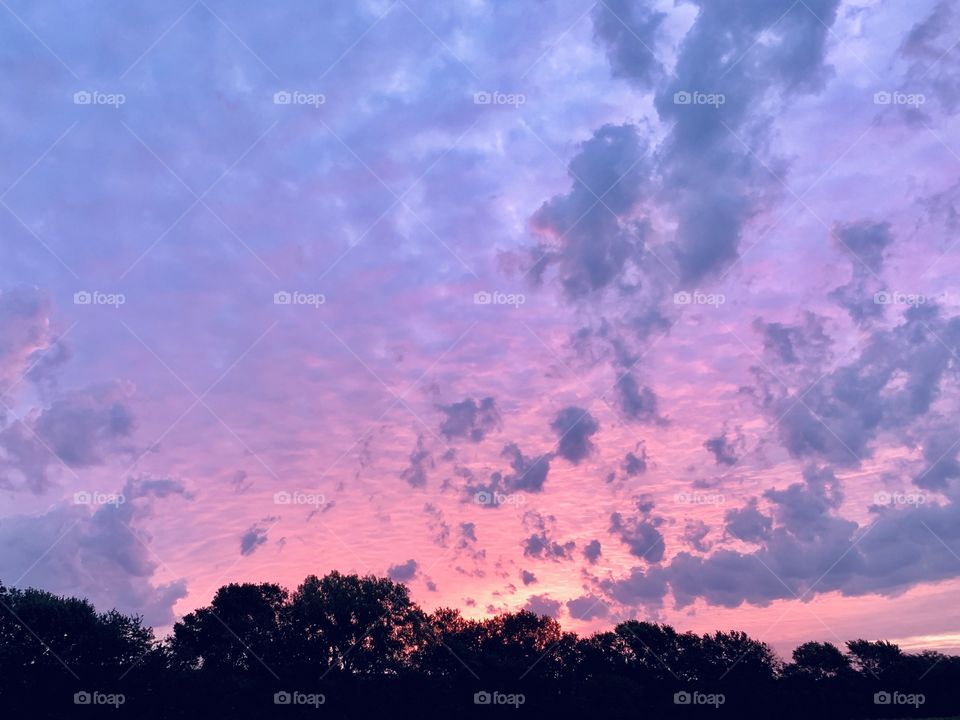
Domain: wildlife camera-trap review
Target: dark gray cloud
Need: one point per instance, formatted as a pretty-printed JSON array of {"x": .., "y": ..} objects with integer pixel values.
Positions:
[
  {"x": 889, "y": 385},
  {"x": 527, "y": 577},
  {"x": 695, "y": 533},
  {"x": 421, "y": 461},
  {"x": 529, "y": 473},
  {"x": 637, "y": 403},
  {"x": 640, "y": 534},
  {"x": 635, "y": 463},
  {"x": 80, "y": 429},
  {"x": 592, "y": 550},
  {"x": 24, "y": 331},
  {"x": 587, "y": 607},
  {"x": 574, "y": 427},
  {"x": 865, "y": 240},
  {"x": 96, "y": 551},
  {"x": 470, "y": 419},
  {"x": 748, "y": 523},
  {"x": 934, "y": 70},
  {"x": 630, "y": 30},
  {"x": 641, "y": 587},
  {"x": 725, "y": 450},
  {"x": 403, "y": 572},
  {"x": 806, "y": 342},
  {"x": 865, "y": 243},
  {"x": 252, "y": 539},
  {"x": 543, "y": 605},
  {"x": 540, "y": 544},
  {"x": 584, "y": 239}
]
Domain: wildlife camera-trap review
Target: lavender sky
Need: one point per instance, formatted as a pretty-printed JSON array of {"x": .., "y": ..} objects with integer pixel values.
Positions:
[{"x": 606, "y": 310}]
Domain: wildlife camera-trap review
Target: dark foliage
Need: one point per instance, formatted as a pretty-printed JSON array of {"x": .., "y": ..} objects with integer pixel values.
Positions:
[{"x": 344, "y": 646}]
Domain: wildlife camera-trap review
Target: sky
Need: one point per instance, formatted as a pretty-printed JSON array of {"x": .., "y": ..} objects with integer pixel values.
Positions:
[{"x": 607, "y": 310}]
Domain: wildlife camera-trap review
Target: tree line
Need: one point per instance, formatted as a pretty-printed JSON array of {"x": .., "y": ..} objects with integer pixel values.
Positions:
[{"x": 346, "y": 646}]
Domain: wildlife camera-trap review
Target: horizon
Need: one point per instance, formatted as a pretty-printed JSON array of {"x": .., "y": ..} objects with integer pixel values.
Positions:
[{"x": 612, "y": 310}]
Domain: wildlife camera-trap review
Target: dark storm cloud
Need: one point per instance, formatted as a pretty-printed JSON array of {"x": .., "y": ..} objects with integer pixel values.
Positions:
[
  {"x": 470, "y": 419},
  {"x": 574, "y": 427}
]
